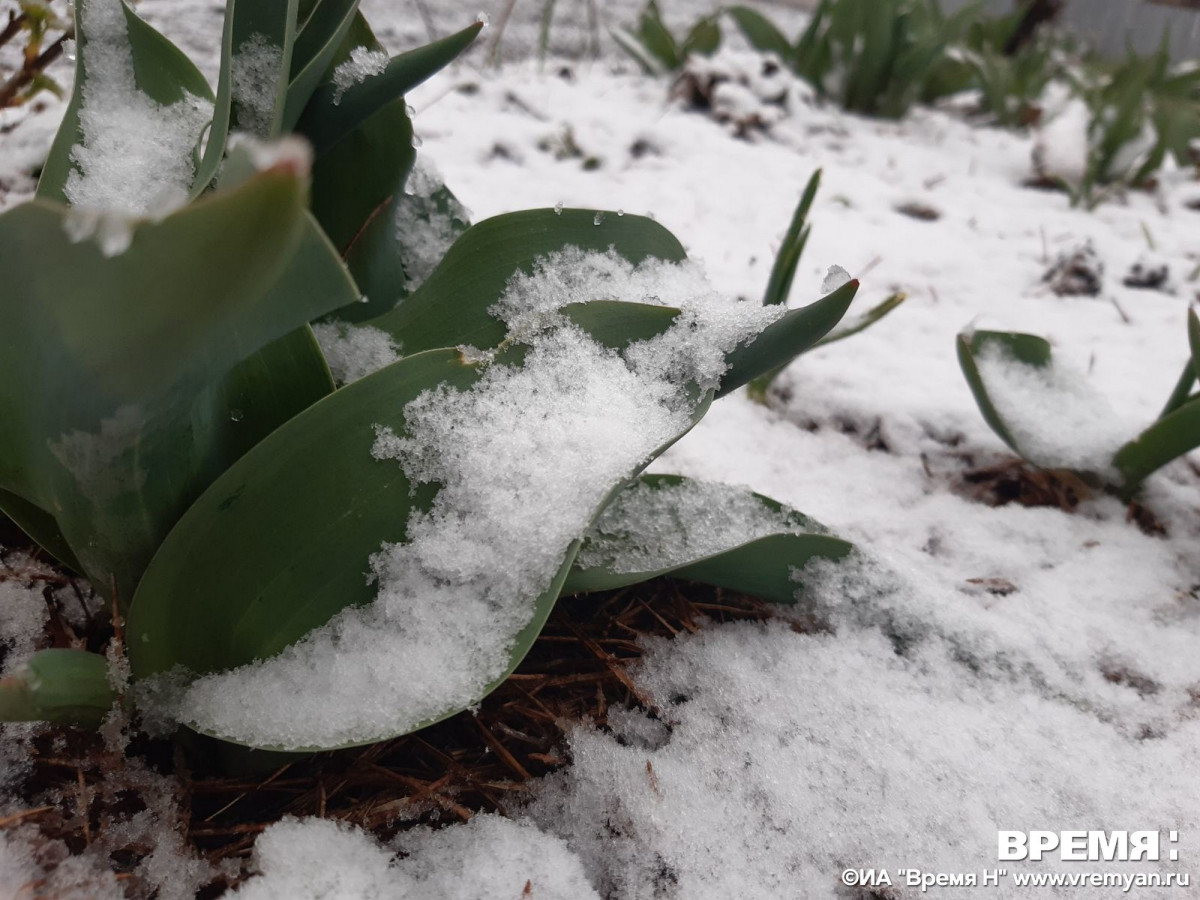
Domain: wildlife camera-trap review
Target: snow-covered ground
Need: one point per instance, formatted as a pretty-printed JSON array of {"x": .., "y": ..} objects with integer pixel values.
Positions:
[{"x": 984, "y": 668}]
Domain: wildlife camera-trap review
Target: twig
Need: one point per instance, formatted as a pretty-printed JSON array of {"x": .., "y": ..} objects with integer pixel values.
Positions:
[{"x": 30, "y": 70}]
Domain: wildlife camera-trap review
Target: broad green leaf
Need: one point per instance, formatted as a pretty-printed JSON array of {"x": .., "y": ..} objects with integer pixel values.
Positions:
[
  {"x": 615, "y": 323},
  {"x": 161, "y": 71},
  {"x": 1024, "y": 348},
  {"x": 779, "y": 285},
  {"x": 317, "y": 44},
  {"x": 229, "y": 587},
  {"x": 39, "y": 526},
  {"x": 783, "y": 341},
  {"x": 759, "y": 31},
  {"x": 654, "y": 36},
  {"x": 1170, "y": 437},
  {"x": 762, "y": 566},
  {"x": 331, "y": 116},
  {"x": 704, "y": 38},
  {"x": 134, "y": 360},
  {"x": 66, "y": 687},
  {"x": 359, "y": 174},
  {"x": 628, "y": 42},
  {"x": 451, "y": 308}
]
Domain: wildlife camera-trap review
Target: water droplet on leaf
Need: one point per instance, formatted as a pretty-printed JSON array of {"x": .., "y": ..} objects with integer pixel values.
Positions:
[{"x": 598, "y": 218}]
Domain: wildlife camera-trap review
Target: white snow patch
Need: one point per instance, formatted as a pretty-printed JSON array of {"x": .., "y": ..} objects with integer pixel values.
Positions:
[
  {"x": 424, "y": 230},
  {"x": 488, "y": 857},
  {"x": 363, "y": 63},
  {"x": 355, "y": 351},
  {"x": 524, "y": 458},
  {"x": 136, "y": 156},
  {"x": 791, "y": 757},
  {"x": 23, "y": 623},
  {"x": 646, "y": 528},
  {"x": 1055, "y": 415},
  {"x": 254, "y": 74}
]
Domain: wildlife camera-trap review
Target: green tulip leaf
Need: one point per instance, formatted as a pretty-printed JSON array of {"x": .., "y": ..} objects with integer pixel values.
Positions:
[
  {"x": 759, "y": 32},
  {"x": 715, "y": 534},
  {"x": 1170, "y": 437},
  {"x": 784, "y": 340},
  {"x": 65, "y": 687},
  {"x": 336, "y": 111},
  {"x": 1027, "y": 349},
  {"x": 779, "y": 285},
  {"x": 136, "y": 360},
  {"x": 317, "y": 44},
  {"x": 704, "y": 39},
  {"x": 39, "y": 526},
  {"x": 451, "y": 308}
]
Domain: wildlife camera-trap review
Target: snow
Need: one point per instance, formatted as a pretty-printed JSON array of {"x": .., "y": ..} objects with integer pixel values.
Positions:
[
  {"x": 354, "y": 351},
  {"x": 25, "y": 616},
  {"x": 1056, "y": 417},
  {"x": 428, "y": 219},
  {"x": 524, "y": 458},
  {"x": 254, "y": 76},
  {"x": 136, "y": 156},
  {"x": 363, "y": 63},
  {"x": 835, "y": 278},
  {"x": 784, "y": 765},
  {"x": 490, "y": 856},
  {"x": 651, "y": 528}
]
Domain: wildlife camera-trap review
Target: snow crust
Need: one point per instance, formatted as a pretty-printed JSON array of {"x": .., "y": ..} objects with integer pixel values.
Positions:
[
  {"x": 136, "y": 156},
  {"x": 524, "y": 459},
  {"x": 354, "y": 351},
  {"x": 363, "y": 63},
  {"x": 317, "y": 859},
  {"x": 1056, "y": 417},
  {"x": 650, "y": 528}
]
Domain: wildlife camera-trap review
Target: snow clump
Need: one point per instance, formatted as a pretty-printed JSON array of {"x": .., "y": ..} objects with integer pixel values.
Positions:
[
  {"x": 524, "y": 458},
  {"x": 363, "y": 63}
]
